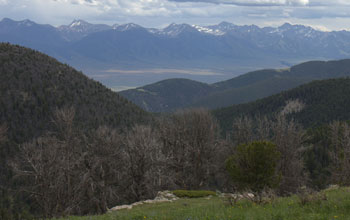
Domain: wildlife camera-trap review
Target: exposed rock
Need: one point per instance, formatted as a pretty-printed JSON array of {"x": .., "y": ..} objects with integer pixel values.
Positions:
[
  {"x": 165, "y": 196},
  {"x": 332, "y": 187},
  {"x": 237, "y": 196},
  {"x": 248, "y": 195},
  {"x": 121, "y": 207},
  {"x": 231, "y": 195}
]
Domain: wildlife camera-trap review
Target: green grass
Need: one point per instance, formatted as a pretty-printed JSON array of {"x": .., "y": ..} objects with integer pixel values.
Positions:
[
  {"x": 336, "y": 206},
  {"x": 193, "y": 193}
]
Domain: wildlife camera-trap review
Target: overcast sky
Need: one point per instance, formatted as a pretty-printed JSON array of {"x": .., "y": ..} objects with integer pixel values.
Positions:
[{"x": 321, "y": 14}]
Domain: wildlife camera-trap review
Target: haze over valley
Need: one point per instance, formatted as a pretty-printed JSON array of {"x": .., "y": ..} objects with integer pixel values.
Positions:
[{"x": 129, "y": 55}]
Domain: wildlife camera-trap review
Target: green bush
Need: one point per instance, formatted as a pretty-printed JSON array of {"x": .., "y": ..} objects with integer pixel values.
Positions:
[
  {"x": 253, "y": 166},
  {"x": 193, "y": 193}
]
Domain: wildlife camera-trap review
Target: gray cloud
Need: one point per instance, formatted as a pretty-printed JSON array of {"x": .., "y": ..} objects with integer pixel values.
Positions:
[
  {"x": 252, "y": 2},
  {"x": 331, "y": 14}
]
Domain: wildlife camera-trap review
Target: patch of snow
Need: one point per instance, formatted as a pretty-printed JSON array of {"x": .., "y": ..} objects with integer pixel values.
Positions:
[
  {"x": 74, "y": 24},
  {"x": 126, "y": 27},
  {"x": 208, "y": 30},
  {"x": 27, "y": 23}
]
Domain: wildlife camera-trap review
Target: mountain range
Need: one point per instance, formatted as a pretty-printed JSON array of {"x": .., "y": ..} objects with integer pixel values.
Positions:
[
  {"x": 172, "y": 94},
  {"x": 220, "y": 51}
]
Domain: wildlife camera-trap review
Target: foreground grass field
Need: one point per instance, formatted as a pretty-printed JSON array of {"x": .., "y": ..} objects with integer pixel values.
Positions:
[{"x": 329, "y": 205}]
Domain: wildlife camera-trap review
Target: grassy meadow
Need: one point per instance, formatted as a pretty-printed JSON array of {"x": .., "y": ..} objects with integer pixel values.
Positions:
[{"x": 327, "y": 205}]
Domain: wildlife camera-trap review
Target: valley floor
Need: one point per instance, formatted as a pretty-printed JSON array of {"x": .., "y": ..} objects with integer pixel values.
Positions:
[{"x": 327, "y": 205}]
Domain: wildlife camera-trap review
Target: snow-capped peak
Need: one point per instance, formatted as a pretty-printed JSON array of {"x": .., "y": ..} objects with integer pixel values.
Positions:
[
  {"x": 208, "y": 30},
  {"x": 126, "y": 27},
  {"x": 78, "y": 23},
  {"x": 26, "y": 22},
  {"x": 288, "y": 29},
  {"x": 175, "y": 29}
]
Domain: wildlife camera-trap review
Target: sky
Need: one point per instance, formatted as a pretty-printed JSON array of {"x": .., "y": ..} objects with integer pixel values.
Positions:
[{"x": 326, "y": 15}]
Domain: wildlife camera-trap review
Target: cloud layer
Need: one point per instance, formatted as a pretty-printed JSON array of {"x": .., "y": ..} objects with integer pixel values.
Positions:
[
  {"x": 252, "y": 2},
  {"x": 330, "y": 14}
]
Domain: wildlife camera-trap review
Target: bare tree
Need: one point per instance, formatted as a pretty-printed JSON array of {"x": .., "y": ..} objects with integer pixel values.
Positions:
[
  {"x": 293, "y": 106},
  {"x": 243, "y": 130},
  {"x": 103, "y": 168},
  {"x": 3, "y": 130},
  {"x": 66, "y": 173},
  {"x": 288, "y": 137},
  {"x": 340, "y": 152},
  {"x": 144, "y": 162},
  {"x": 189, "y": 140},
  {"x": 50, "y": 167}
]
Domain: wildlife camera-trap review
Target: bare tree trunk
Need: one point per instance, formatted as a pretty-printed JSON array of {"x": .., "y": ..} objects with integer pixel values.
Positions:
[
  {"x": 288, "y": 137},
  {"x": 3, "y": 130},
  {"x": 144, "y": 162},
  {"x": 190, "y": 141},
  {"x": 67, "y": 174},
  {"x": 340, "y": 153}
]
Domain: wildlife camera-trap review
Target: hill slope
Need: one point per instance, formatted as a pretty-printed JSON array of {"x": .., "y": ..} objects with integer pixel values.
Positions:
[
  {"x": 168, "y": 95},
  {"x": 241, "y": 89},
  {"x": 33, "y": 86},
  {"x": 325, "y": 101}
]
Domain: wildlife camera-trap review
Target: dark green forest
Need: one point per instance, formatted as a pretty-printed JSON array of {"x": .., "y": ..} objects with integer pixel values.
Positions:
[
  {"x": 323, "y": 101},
  {"x": 33, "y": 85},
  {"x": 70, "y": 146}
]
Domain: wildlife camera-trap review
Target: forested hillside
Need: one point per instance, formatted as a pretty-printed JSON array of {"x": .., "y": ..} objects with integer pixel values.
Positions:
[
  {"x": 320, "y": 102},
  {"x": 168, "y": 95},
  {"x": 38, "y": 97},
  {"x": 248, "y": 87},
  {"x": 34, "y": 85}
]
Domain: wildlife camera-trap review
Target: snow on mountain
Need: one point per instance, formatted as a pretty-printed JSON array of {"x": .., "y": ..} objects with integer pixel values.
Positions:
[
  {"x": 300, "y": 31},
  {"x": 273, "y": 42},
  {"x": 208, "y": 30},
  {"x": 80, "y": 28},
  {"x": 26, "y": 22},
  {"x": 126, "y": 27},
  {"x": 174, "y": 30},
  {"x": 223, "y": 27}
]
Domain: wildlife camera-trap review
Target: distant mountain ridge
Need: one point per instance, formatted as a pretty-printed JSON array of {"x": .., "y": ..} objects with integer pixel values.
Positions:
[
  {"x": 79, "y": 29},
  {"x": 224, "y": 47},
  {"x": 172, "y": 94}
]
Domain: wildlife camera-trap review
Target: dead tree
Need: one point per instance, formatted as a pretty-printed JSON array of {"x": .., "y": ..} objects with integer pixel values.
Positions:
[
  {"x": 288, "y": 137},
  {"x": 190, "y": 141},
  {"x": 49, "y": 167},
  {"x": 340, "y": 152},
  {"x": 143, "y": 162},
  {"x": 3, "y": 130},
  {"x": 68, "y": 173}
]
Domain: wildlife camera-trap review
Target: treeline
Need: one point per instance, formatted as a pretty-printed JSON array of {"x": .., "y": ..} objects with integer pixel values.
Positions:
[{"x": 70, "y": 172}]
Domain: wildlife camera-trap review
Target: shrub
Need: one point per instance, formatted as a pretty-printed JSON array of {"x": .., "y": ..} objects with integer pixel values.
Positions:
[
  {"x": 193, "y": 193},
  {"x": 253, "y": 166}
]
